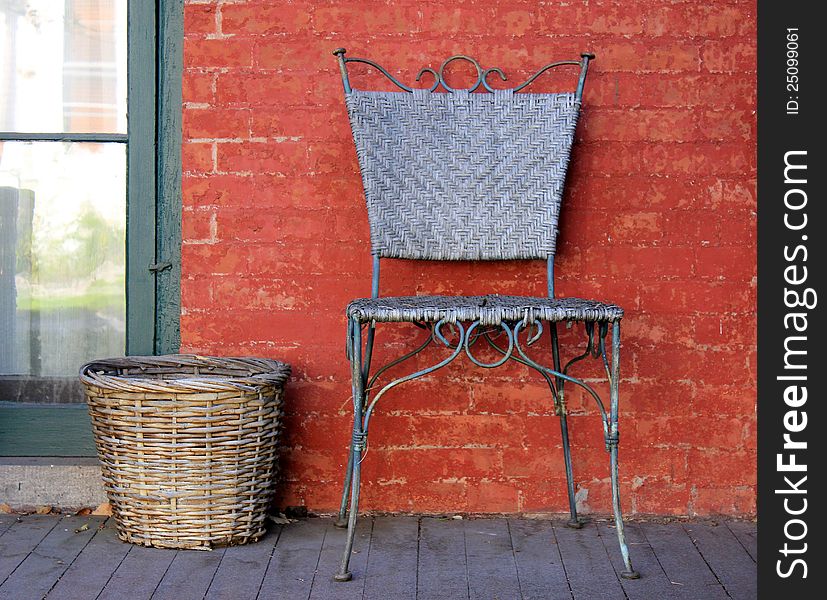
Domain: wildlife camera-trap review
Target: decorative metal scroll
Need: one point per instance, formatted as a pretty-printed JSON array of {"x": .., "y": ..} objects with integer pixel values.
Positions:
[
  {"x": 439, "y": 74},
  {"x": 466, "y": 337}
]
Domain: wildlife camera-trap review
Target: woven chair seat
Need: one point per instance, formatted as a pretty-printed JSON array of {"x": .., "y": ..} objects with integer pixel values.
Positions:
[{"x": 489, "y": 310}]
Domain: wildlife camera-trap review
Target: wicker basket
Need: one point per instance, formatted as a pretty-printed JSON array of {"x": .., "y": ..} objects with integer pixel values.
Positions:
[{"x": 187, "y": 444}]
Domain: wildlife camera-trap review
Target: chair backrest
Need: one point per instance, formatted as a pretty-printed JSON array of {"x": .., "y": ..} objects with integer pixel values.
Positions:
[{"x": 462, "y": 176}]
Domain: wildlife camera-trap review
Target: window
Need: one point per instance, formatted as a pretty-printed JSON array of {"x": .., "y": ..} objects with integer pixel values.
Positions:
[{"x": 89, "y": 203}]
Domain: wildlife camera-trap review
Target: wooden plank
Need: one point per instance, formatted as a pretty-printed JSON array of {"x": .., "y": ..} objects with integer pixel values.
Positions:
[
  {"x": 442, "y": 570},
  {"x": 681, "y": 561},
  {"x": 139, "y": 574},
  {"x": 20, "y": 539},
  {"x": 324, "y": 587},
  {"x": 93, "y": 567},
  {"x": 653, "y": 583},
  {"x": 294, "y": 560},
  {"x": 539, "y": 565},
  {"x": 590, "y": 573},
  {"x": 36, "y": 575},
  {"x": 242, "y": 569},
  {"x": 6, "y": 521},
  {"x": 391, "y": 570},
  {"x": 492, "y": 571},
  {"x": 45, "y": 430},
  {"x": 747, "y": 533},
  {"x": 727, "y": 558},
  {"x": 189, "y": 575}
]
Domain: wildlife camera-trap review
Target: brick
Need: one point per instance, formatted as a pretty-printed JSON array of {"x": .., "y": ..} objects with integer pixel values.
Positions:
[
  {"x": 724, "y": 329},
  {"x": 216, "y": 124},
  {"x": 216, "y": 190},
  {"x": 217, "y": 53},
  {"x": 659, "y": 56},
  {"x": 200, "y": 19},
  {"x": 724, "y": 500},
  {"x": 728, "y": 125},
  {"x": 670, "y": 125},
  {"x": 732, "y": 262},
  {"x": 197, "y": 87},
  {"x": 656, "y": 498},
  {"x": 263, "y": 18},
  {"x": 197, "y": 157},
  {"x": 717, "y": 159},
  {"x": 440, "y": 463},
  {"x": 493, "y": 496},
  {"x": 690, "y": 20},
  {"x": 713, "y": 468},
  {"x": 728, "y": 56},
  {"x": 198, "y": 225},
  {"x": 285, "y": 158}
]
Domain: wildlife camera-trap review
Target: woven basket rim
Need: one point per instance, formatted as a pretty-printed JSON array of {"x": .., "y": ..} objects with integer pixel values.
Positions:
[{"x": 253, "y": 373}]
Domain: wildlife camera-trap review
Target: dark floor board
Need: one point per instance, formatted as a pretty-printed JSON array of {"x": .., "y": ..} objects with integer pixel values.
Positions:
[
  {"x": 492, "y": 572},
  {"x": 139, "y": 574},
  {"x": 93, "y": 567},
  {"x": 41, "y": 569},
  {"x": 324, "y": 587},
  {"x": 6, "y": 521},
  {"x": 653, "y": 583},
  {"x": 391, "y": 571},
  {"x": 189, "y": 575},
  {"x": 681, "y": 561},
  {"x": 20, "y": 539},
  {"x": 394, "y": 558},
  {"x": 442, "y": 570},
  {"x": 747, "y": 535},
  {"x": 587, "y": 565},
  {"x": 539, "y": 566},
  {"x": 727, "y": 558},
  {"x": 294, "y": 561},
  {"x": 242, "y": 569}
]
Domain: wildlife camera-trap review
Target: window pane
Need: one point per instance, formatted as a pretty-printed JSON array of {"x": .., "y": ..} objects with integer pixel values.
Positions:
[
  {"x": 62, "y": 256},
  {"x": 63, "y": 66}
]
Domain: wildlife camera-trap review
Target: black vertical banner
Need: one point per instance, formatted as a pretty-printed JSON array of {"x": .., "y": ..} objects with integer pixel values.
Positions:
[{"x": 792, "y": 229}]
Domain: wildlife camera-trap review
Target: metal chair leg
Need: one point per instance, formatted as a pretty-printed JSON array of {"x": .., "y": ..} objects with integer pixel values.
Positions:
[
  {"x": 341, "y": 521},
  {"x": 344, "y": 573},
  {"x": 573, "y": 522},
  {"x": 612, "y": 442},
  {"x": 357, "y": 444}
]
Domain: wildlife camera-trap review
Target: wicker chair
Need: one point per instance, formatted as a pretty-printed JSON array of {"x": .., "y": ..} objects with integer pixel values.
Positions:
[{"x": 462, "y": 176}]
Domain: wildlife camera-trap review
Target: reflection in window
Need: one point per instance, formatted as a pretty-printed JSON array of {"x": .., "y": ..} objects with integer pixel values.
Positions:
[
  {"x": 63, "y": 66},
  {"x": 62, "y": 255}
]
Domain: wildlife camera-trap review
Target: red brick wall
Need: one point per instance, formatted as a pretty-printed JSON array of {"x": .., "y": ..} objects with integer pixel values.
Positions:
[{"x": 659, "y": 217}]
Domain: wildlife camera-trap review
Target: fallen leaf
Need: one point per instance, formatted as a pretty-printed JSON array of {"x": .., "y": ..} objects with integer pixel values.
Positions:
[
  {"x": 43, "y": 510},
  {"x": 103, "y": 510},
  {"x": 83, "y": 512},
  {"x": 280, "y": 519},
  {"x": 5, "y": 508},
  {"x": 84, "y": 527}
]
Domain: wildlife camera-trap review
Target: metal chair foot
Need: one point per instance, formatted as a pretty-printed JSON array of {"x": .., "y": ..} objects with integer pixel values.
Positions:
[
  {"x": 630, "y": 575},
  {"x": 576, "y": 523},
  {"x": 340, "y": 577},
  {"x": 341, "y": 523}
]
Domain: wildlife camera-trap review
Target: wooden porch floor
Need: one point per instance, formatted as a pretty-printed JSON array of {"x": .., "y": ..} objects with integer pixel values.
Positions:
[{"x": 395, "y": 558}]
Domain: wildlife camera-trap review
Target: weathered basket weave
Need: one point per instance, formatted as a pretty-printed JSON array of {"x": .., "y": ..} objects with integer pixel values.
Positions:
[{"x": 187, "y": 445}]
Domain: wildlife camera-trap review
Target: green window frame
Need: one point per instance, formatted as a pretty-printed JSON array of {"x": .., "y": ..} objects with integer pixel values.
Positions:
[{"x": 153, "y": 221}]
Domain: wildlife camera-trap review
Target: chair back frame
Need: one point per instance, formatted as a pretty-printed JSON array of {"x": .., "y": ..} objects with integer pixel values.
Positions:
[{"x": 481, "y": 82}]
